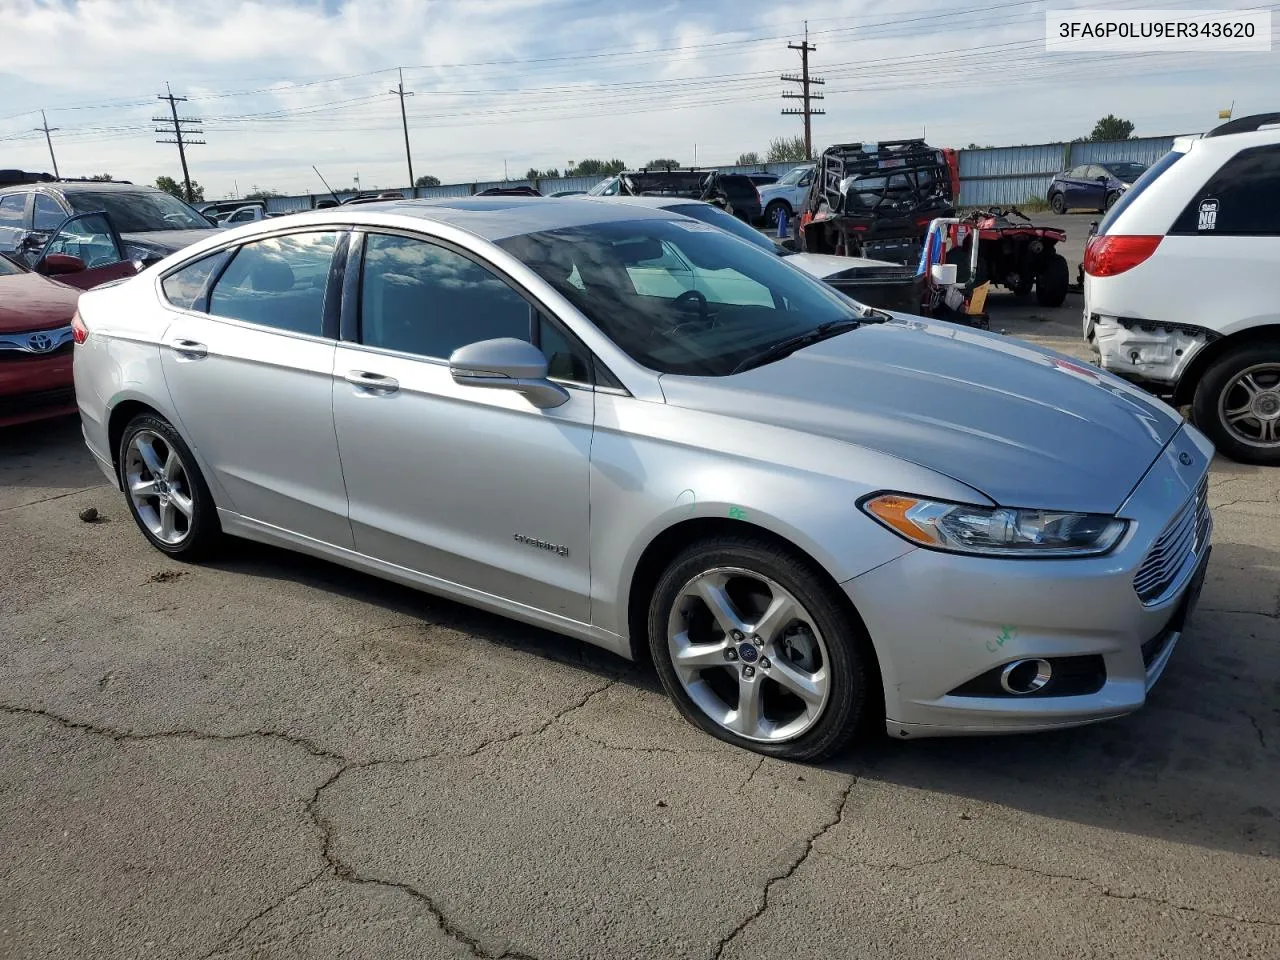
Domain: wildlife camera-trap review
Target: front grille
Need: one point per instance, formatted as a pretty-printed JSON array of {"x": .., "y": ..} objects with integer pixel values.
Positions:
[
  {"x": 29, "y": 402},
  {"x": 1182, "y": 541},
  {"x": 20, "y": 356}
]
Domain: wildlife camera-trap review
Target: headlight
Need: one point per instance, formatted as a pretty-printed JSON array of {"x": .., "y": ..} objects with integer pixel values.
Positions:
[{"x": 994, "y": 531}]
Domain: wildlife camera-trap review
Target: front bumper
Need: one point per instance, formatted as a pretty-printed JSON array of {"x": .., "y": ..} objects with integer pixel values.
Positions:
[
  {"x": 35, "y": 388},
  {"x": 941, "y": 621}
]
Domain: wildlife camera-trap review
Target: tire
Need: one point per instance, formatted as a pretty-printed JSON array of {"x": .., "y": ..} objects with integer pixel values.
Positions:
[
  {"x": 1256, "y": 437},
  {"x": 1058, "y": 203},
  {"x": 180, "y": 519},
  {"x": 1110, "y": 201},
  {"x": 771, "y": 213},
  {"x": 822, "y": 645},
  {"x": 1052, "y": 281}
]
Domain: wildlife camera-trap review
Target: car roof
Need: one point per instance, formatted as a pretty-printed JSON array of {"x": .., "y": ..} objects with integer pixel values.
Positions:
[
  {"x": 496, "y": 218},
  {"x": 82, "y": 186}
]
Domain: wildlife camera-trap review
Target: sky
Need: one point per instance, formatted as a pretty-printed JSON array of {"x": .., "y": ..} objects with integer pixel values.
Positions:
[{"x": 500, "y": 86}]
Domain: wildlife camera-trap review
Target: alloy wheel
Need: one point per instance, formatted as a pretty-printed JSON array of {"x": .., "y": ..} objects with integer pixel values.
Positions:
[
  {"x": 159, "y": 486},
  {"x": 1249, "y": 405},
  {"x": 749, "y": 655}
]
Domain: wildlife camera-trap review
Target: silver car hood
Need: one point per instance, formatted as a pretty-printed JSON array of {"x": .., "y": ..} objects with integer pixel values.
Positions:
[
  {"x": 823, "y": 265},
  {"x": 1024, "y": 426}
]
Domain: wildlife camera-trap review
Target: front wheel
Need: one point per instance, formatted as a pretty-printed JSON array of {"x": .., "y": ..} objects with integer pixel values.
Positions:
[
  {"x": 753, "y": 649},
  {"x": 1110, "y": 201},
  {"x": 1058, "y": 203},
  {"x": 1237, "y": 403},
  {"x": 167, "y": 496},
  {"x": 771, "y": 212}
]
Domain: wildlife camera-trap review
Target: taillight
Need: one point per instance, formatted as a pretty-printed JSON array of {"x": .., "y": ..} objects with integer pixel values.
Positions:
[
  {"x": 1109, "y": 255},
  {"x": 79, "y": 332}
]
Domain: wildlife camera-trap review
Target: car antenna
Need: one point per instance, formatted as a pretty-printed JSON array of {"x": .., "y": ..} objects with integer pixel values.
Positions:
[{"x": 326, "y": 184}]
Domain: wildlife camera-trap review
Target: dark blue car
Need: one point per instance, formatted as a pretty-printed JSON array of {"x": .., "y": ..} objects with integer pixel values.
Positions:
[{"x": 1092, "y": 186}]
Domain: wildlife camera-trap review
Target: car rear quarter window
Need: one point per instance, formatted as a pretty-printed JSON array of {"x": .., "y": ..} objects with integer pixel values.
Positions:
[
  {"x": 422, "y": 298},
  {"x": 11, "y": 207},
  {"x": 187, "y": 287},
  {"x": 48, "y": 214},
  {"x": 278, "y": 282},
  {"x": 1241, "y": 200}
]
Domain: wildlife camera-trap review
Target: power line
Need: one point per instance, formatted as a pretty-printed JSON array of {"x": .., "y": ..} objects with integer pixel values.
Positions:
[
  {"x": 805, "y": 82},
  {"x": 180, "y": 136}
]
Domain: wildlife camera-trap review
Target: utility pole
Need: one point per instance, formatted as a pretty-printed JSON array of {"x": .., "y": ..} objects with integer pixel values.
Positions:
[
  {"x": 401, "y": 92},
  {"x": 805, "y": 82},
  {"x": 49, "y": 140},
  {"x": 181, "y": 135}
]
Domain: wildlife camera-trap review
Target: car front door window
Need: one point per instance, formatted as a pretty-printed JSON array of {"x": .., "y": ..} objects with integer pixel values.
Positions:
[{"x": 48, "y": 214}]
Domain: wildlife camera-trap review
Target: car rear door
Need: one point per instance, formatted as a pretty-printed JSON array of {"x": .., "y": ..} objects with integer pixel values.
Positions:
[
  {"x": 248, "y": 358},
  {"x": 13, "y": 207},
  {"x": 474, "y": 487}
]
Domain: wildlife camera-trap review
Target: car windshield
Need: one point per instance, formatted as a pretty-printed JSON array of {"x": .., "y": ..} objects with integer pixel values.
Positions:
[
  {"x": 140, "y": 211},
  {"x": 8, "y": 267},
  {"x": 794, "y": 176},
  {"x": 713, "y": 215},
  {"x": 680, "y": 296},
  {"x": 605, "y": 188},
  {"x": 1128, "y": 172}
]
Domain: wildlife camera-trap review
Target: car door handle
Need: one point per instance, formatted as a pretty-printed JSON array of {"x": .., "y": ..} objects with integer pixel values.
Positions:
[
  {"x": 375, "y": 382},
  {"x": 189, "y": 348}
]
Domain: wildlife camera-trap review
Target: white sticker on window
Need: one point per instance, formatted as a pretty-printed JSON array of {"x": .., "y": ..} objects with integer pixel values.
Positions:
[
  {"x": 1208, "y": 215},
  {"x": 695, "y": 226}
]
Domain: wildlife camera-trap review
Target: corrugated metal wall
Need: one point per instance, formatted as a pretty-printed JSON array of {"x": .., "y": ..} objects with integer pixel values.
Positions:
[
  {"x": 1010, "y": 175},
  {"x": 998, "y": 175}
]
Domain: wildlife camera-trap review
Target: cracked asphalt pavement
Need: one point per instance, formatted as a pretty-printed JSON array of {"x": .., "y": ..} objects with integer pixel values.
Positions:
[{"x": 269, "y": 756}]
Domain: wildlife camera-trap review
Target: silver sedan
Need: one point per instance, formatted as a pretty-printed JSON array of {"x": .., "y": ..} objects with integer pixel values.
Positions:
[{"x": 638, "y": 430}]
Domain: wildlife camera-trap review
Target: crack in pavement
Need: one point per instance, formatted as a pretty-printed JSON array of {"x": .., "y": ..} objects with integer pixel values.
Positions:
[
  {"x": 1257, "y": 728},
  {"x": 752, "y": 775},
  {"x": 57, "y": 496},
  {"x": 1099, "y": 889},
  {"x": 788, "y": 872},
  {"x": 228, "y": 940},
  {"x": 1248, "y": 613}
]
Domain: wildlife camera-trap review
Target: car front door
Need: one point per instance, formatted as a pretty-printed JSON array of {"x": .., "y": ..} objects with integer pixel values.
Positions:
[
  {"x": 475, "y": 487},
  {"x": 248, "y": 358},
  {"x": 84, "y": 251}
]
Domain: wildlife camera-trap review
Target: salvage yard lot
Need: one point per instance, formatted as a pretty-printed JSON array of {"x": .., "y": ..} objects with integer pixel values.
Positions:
[{"x": 272, "y": 756}]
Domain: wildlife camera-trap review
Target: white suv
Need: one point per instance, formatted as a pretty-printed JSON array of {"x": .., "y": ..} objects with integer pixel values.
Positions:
[
  {"x": 1180, "y": 286},
  {"x": 787, "y": 194}
]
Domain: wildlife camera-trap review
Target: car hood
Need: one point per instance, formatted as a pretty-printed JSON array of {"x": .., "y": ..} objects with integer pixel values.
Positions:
[
  {"x": 29, "y": 301},
  {"x": 1024, "y": 426},
  {"x": 825, "y": 266},
  {"x": 165, "y": 242},
  {"x": 771, "y": 190}
]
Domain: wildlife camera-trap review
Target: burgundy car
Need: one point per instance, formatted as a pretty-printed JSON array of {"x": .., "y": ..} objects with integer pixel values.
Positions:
[{"x": 36, "y": 314}]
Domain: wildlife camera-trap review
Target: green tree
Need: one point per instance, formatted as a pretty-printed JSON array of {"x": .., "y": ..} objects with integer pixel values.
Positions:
[
  {"x": 1112, "y": 127},
  {"x": 102, "y": 177},
  {"x": 427, "y": 180},
  {"x": 661, "y": 164},
  {"x": 260, "y": 193},
  {"x": 173, "y": 187},
  {"x": 786, "y": 149},
  {"x": 749, "y": 159},
  {"x": 596, "y": 168},
  {"x": 551, "y": 173}
]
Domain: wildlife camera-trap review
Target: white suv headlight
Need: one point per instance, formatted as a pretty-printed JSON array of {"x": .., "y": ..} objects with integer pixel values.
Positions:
[{"x": 994, "y": 531}]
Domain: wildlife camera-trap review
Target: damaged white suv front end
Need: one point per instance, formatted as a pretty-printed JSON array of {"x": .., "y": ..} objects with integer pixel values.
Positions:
[{"x": 1180, "y": 281}]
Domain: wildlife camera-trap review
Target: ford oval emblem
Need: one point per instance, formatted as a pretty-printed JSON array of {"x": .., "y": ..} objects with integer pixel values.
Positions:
[{"x": 1184, "y": 458}]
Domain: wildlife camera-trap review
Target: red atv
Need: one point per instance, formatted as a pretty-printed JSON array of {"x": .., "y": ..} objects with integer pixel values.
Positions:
[{"x": 1012, "y": 252}]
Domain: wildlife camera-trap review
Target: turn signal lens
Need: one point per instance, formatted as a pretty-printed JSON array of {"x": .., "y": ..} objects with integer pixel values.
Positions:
[
  {"x": 995, "y": 531},
  {"x": 1109, "y": 255},
  {"x": 79, "y": 332}
]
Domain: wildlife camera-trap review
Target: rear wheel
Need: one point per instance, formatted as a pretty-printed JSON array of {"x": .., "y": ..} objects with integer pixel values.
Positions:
[
  {"x": 1110, "y": 201},
  {"x": 1058, "y": 203},
  {"x": 771, "y": 212},
  {"x": 1237, "y": 403},
  {"x": 756, "y": 651},
  {"x": 1052, "y": 281},
  {"x": 166, "y": 493}
]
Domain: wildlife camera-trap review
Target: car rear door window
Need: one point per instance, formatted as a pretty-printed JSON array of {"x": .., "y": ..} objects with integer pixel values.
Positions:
[
  {"x": 48, "y": 214},
  {"x": 278, "y": 282},
  {"x": 1241, "y": 200},
  {"x": 11, "y": 207},
  {"x": 186, "y": 288},
  {"x": 422, "y": 298}
]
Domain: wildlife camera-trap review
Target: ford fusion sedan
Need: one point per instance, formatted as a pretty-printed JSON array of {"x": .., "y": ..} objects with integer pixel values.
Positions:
[{"x": 634, "y": 429}]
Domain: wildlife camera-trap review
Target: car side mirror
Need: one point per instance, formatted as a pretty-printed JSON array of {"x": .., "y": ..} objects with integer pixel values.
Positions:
[
  {"x": 943, "y": 274},
  {"x": 59, "y": 264},
  {"x": 507, "y": 364}
]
